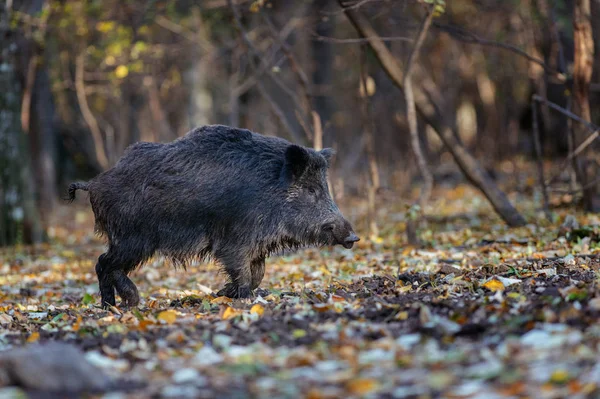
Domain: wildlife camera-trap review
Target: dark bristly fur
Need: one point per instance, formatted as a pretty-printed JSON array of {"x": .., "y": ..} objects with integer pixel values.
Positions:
[{"x": 219, "y": 191}]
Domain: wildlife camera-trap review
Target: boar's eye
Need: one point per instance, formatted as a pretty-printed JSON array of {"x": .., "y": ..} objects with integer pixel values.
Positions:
[{"x": 312, "y": 191}]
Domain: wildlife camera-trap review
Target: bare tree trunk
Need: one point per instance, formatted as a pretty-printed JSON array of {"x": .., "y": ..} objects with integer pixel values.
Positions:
[
  {"x": 44, "y": 152},
  {"x": 469, "y": 165},
  {"x": 586, "y": 165},
  {"x": 19, "y": 220},
  {"x": 322, "y": 59}
]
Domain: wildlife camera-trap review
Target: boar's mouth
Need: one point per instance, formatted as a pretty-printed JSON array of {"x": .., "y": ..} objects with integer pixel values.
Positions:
[{"x": 349, "y": 241}]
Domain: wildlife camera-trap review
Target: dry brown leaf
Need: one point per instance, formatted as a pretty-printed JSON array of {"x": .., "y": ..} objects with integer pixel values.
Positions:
[{"x": 362, "y": 386}]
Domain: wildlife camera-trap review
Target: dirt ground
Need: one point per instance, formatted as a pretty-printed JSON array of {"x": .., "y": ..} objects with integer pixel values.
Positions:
[{"x": 479, "y": 311}]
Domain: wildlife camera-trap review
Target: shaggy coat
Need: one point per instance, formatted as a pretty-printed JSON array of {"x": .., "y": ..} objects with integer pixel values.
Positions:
[{"x": 219, "y": 191}]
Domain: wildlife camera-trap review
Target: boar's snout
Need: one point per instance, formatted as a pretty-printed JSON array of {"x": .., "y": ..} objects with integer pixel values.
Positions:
[
  {"x": 340, "y": 232},
  {"x": 350, "y": 240}
]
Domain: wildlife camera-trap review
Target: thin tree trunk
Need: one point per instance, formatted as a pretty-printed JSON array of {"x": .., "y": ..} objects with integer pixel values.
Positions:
[
  {"x": 585, "y": 167},
  {"x": 374, "y": 182},
  {"x": 411, "y": 112},
  {"x": 468, "y": 164}
]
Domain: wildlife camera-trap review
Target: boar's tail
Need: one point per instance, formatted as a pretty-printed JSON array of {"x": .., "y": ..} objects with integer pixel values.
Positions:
[{"x": 74, "y": 187}]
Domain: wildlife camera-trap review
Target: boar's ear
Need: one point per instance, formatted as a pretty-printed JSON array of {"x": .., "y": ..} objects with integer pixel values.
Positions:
[
  {"x": 296, "y": 162},
  {"x": 327, "y": 153}
]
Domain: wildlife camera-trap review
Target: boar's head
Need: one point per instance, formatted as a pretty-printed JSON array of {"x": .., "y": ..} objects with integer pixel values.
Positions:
[{"x": 312, "y": 217}]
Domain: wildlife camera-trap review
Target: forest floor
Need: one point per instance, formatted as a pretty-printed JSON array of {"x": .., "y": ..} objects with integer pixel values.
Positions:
[{"x": 479, "y": 311}]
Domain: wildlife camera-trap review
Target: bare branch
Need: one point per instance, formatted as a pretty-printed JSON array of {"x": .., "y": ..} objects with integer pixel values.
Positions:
[
  {"x": 28, "y": 92},
  {"x": 584, "y": 144},
  {"x": 260, "y": 86},
  {"x": 88, "y": 116},
  {"x": 468, "y": 164},
  {"x": 469, "y": 37},
  {"x": 360, "y": 40},
  {"x": 571, "y": 115}
]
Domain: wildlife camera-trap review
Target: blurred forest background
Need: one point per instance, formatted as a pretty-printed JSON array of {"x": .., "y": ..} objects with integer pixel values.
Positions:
[{"x": 406, "y": 91}]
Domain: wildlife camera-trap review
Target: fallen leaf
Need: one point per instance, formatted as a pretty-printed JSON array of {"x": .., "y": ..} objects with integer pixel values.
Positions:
[
  {"x": 494, "y": 285},
  {"x": 168, "y": 316},
  {"x": 5, "y": 319},
  {"x": 230, "y": 313},
  {"x": 257, "y": 309},
  {"x": 33, "y": 337},
  {"x": 221, "y": 299},
  {"x": 362, "y": 386},
  {"x": 560, "y": 377}
]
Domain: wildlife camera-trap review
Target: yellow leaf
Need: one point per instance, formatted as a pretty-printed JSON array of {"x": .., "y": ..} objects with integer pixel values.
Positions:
[
  {"x": 168, "y": 316},
  {"x": 257, "y": 309},
  {"x": 230, "y": 313},
  {"x": 560, "y": 377},
  {"x": 121, "y": 71},
  {"x": 494, "y": 285},
  {"x": 362, "y": 386},
  {"x": 402, "y": 315},
  {"x": 33, "y": 337}
]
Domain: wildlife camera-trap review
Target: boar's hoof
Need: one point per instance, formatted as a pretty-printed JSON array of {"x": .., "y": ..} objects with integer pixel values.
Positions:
[
  {"x": 131, "y": 302},
  {"x": 235, "y": 291}
]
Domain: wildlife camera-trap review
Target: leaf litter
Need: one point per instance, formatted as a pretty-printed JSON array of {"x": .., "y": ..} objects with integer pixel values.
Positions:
[{"x": 480, "y": 311}]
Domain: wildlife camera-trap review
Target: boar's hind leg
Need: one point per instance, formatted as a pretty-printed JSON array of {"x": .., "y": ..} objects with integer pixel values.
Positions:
[
  {"x": 257, "y": 267},
  {"x": 107, "y": 290},
  {"x": 240, "y": 276},
  {"x": 112, "y": 270},
  {"x": 126, "y": 289}
]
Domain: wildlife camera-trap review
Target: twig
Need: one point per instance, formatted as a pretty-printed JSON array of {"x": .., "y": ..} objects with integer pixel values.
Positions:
[
  {"x": 296, "y": 68},
  {"x": 411, "y": 112},
  {"x": 469, "y": 37},
  {"x": 88, "y": 116},
  {"x": 360, "y": 40},
  {"x": 540, "y": 164},
  {"x": 574, "y": 191},
  {"x": 558, "y": 108},
  {"x": 467, "y": 163},
  {"x": 583, "y": 145}
]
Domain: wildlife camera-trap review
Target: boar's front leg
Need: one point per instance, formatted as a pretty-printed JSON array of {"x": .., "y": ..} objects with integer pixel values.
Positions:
[
  {"x": 240, "y": 277},
  {"x": 257, "y": 267}
]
